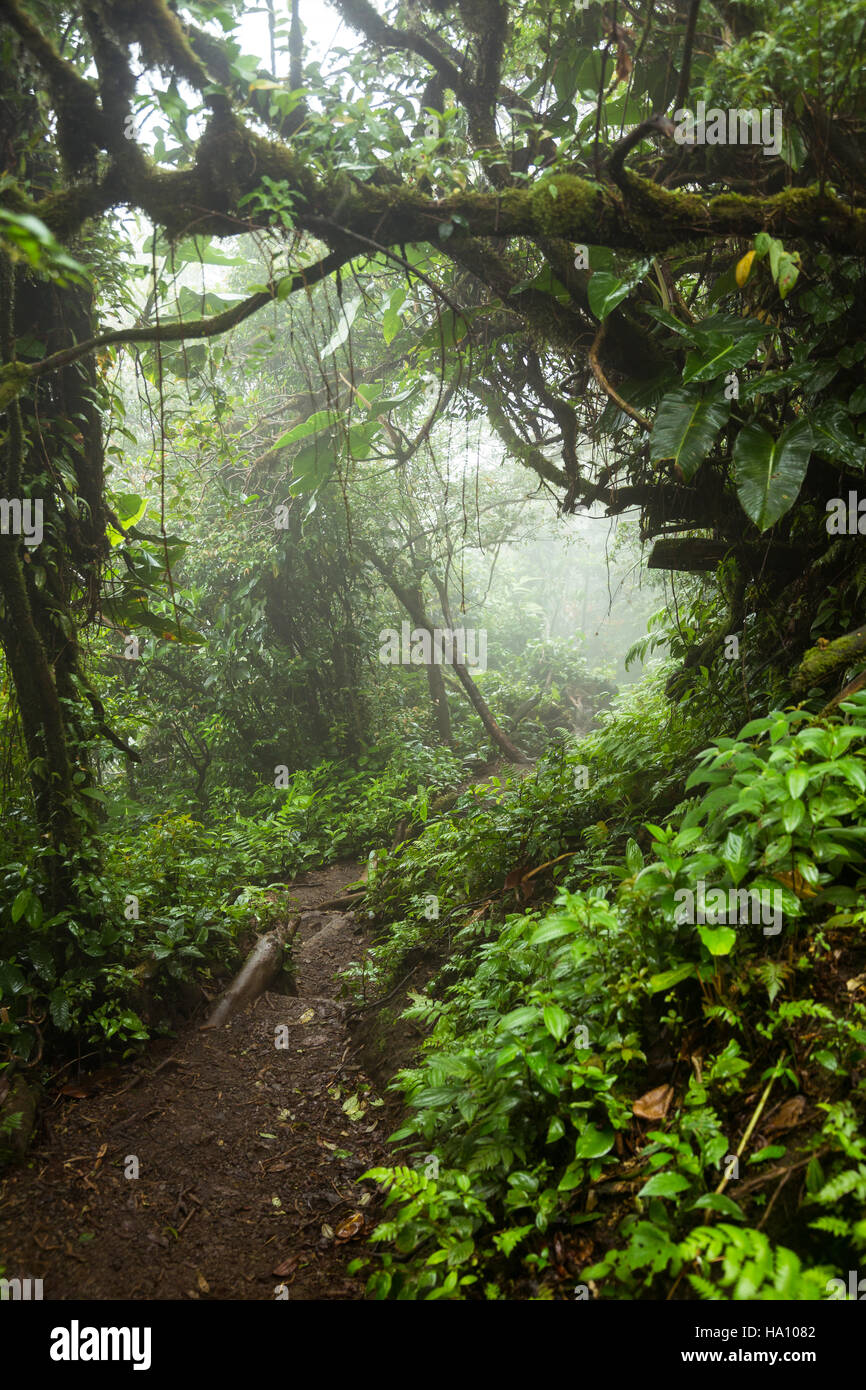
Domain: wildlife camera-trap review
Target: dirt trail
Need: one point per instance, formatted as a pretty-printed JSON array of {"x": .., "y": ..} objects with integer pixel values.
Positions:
[{"x": 247, "y": 1153}]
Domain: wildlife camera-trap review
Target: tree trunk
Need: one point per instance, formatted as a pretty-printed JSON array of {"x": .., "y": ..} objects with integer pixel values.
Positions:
[
  {"x": 412, "y": 600},
  {"x": 439, "y": 703},
  {"x": 49, "y": 589},
  {"x": 497, "y": 736}
]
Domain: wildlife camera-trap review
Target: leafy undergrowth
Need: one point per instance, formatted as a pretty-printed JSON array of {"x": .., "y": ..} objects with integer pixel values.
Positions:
[
  {"x": 629, "y": 1095},
  {"x": 173, "y": 896}
]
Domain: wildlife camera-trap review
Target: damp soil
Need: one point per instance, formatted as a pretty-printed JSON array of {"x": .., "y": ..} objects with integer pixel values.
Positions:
[{"x": 248, "y": 1154}]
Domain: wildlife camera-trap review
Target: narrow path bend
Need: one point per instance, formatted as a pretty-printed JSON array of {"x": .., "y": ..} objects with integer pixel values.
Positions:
[{"x": 247, "y": 1153}]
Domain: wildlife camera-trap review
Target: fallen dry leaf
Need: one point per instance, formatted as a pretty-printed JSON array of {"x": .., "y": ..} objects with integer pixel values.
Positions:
[
  {"x": 202, "y": 1283},
  {"x": 655, "y": 1104},
  {"x": 286, "y": 1267},
  {"x": 350, "y": 1226},
  {"x": 479, "y": 912},
  {"x": 796, "y": 882},
  {"x": 789, "y": 1114}
]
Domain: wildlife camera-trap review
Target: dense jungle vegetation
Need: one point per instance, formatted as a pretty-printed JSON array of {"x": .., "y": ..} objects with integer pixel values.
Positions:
[{"x": 323, "y": 335}]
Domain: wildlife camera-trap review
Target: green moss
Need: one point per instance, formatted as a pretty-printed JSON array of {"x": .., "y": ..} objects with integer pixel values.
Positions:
[
  {"x": 820, "y": 663},
  {"x": 569, "y": 207},
  {"x": 14, "y": 378}
]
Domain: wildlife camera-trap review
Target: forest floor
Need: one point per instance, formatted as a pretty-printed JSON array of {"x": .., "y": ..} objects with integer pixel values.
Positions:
[{"x": 248, "y": 1154}]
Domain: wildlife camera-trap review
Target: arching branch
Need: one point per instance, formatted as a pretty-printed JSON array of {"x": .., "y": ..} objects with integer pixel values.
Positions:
[{"x": 17, "y": 376}]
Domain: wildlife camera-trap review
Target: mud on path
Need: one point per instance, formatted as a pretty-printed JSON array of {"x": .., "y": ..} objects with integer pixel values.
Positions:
[{"x": 248, "y": 1154}]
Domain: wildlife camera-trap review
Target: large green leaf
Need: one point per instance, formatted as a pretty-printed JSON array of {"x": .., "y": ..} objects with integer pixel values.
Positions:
[
  {"x": 555, "y": 1021},
  {"x": 192, "y": 304},
  {"x": 669, "y": 978},
  {"x": 32, "y": 239},
  {"x": 312, "y": 466},
  {"x": 594, "y": 1142},
  {"x": 196, "y": 250},
  {"x": 686, "y": 423},
  {"x": 314, "y": 424},
  {"x": 770, "y": 471},
  {"x": 718, "y": 353},
  {"x": 719, "y": 941},
  {"x": 834, "y": 435},
  {"x": 606, "y": 290},
  {"x": 664, "y": 1185},
  {"x": 129, "y": 508},
  {"x": 360, "y": 439},
  {"x": 344, "y": 328}
]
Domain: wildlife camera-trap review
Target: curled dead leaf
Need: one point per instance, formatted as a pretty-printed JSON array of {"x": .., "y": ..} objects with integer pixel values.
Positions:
[
  {"x": 788, "y": 1114},
  {"x": 655, "y": 1104},
  {"x": 796, "y": 882},
  {"x": 624, "y": 63},
  {"x": 350, "y": 1226}
]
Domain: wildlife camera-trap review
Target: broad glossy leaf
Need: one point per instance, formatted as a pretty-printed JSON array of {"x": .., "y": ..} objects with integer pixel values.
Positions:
[
  {"x": 391, "y": 325},
  {"x": 769, "y": 471},
  {"x": 555, "y": 1021},
  {"x": 717, "y": 1201},
  {"x": 605, "y": 291},
  {"x": 344, "y": 328},
  {"x": 719, "y": 941},
  {"x": 788, "y": 275},
  {"x": 669, "y": 978},
  {"x": 717, "y": 354},
  {"x": 834, "y": 435},
  {"x": 312, "y": 466},
  {"x": 736, "y": 855},
  {"x": 685, "y": 426},
  {"x": 594, "y": 1142},
  {"x": 312, "y": 425},
  {"x": 664, "y": 1185},
  {"x": 797, "y": 780}
]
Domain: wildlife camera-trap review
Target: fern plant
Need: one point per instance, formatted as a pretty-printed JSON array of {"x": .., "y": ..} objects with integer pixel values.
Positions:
[{"x": 739, "y": 1263}]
